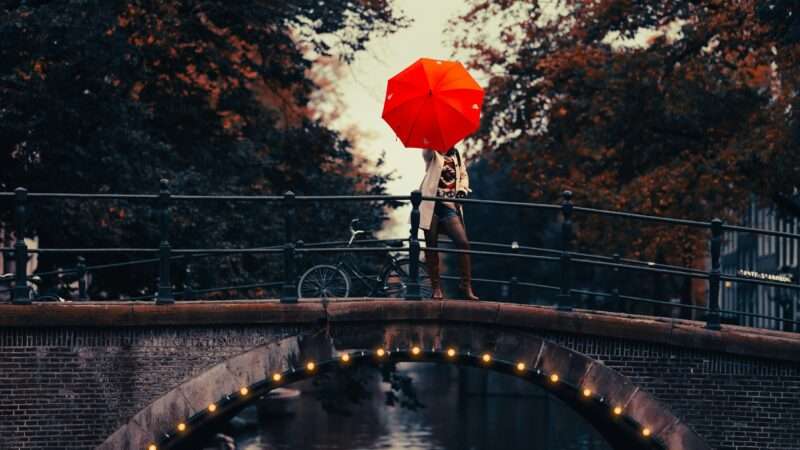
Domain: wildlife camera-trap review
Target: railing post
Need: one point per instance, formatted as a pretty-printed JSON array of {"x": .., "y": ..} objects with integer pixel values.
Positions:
[
  {"x": 81, "y": 269},
  {"x": 513, "y": 283},
  {"x": 21, "y": 291},
  {"x": 712, "y": 316},
  {"x": 564, "y": 300},
  {"x": 289, "y": 291},
  {"x": 615, "y": 284},
  {"x": 188, "y": 292},
  {"x": 412, "y": 290},
  {"x": 165, "y": 295}
]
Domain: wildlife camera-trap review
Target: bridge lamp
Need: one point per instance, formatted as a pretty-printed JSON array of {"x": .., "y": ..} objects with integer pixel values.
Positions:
[
  {"x": 645, "y": 432},
  {"x": 310, "y": 366},
  {"x": 451, "y": 352},
  {"x": 416, "y": 350},
  {"x": 587, "y": 392},
  {"x": 487, "y": 358},
  {"x": 181, "y": 426},
  {"x": 617, "y": 410},
  {"x": 554, "y": 378},
  {"x": 276, "y": 377},
  {"x": 244, "y": 390},
  {"x": 345, "y": 357},
  {"x": 520, "y": 367},
  {"x": 380, "y": 352},
  {"x": 212, "y": 407}
]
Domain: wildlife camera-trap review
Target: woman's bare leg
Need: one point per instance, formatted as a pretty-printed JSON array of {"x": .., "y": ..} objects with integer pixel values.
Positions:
[
  {"x": 432, "y": 258},
  {"x": 454, "y": 228}
]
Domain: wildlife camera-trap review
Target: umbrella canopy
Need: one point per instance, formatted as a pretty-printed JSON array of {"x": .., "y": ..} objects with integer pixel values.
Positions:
[{"x": 433, "y": 104}]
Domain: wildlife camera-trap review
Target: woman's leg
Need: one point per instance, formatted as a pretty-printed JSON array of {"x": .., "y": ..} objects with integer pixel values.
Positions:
[
  {"x": 432, "y": 258},
  {"x": 454, "y": 228}
]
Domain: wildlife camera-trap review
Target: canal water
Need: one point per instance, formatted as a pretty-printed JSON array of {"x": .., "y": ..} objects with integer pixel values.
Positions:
[{"x": 465, "y": 409}]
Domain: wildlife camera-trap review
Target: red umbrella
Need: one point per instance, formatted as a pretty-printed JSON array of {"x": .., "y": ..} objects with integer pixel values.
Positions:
[{"x": 433, "y": 104}]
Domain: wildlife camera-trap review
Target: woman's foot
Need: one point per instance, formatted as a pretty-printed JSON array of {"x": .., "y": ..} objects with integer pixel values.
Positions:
[
  {"x": 437, "y": 293},
  {"x": 466, "y": 291}
]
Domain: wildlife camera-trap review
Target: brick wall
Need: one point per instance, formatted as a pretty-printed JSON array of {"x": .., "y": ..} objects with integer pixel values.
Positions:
[
  {"x": 734, "y": 402},
  {"x": 72, "y": 387}
]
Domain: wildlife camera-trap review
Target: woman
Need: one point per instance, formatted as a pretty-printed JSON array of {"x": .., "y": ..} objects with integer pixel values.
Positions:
[{"x": 446, "y": 177}]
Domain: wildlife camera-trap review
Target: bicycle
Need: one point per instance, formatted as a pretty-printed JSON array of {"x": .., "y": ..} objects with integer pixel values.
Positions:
[{"x": 334, "y": 281}]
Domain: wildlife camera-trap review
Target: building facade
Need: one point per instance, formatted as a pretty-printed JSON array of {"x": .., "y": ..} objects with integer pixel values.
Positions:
[{"x": 763, "y": 257}]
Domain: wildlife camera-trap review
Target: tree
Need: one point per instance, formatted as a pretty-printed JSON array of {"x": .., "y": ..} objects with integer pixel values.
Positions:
[
  {"x": 111, "y": 96},
  {"x": 674, "y": 108}
]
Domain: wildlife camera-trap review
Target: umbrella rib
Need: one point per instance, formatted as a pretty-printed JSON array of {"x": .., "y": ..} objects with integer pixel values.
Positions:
[
  {"x": 413, "y": 125},
  {"x": 458, "y": 113}
]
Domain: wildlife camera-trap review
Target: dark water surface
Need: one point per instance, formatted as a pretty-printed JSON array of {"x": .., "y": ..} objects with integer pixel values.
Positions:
[{"x": 465, "y": 409}]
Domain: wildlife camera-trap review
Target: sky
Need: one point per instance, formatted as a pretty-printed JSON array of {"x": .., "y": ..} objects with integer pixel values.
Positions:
[{"x": 364, "y": 86}]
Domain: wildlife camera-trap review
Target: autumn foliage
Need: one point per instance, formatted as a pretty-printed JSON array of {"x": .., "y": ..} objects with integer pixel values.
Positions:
[
  {"x": 671, "y": 107},
  {"x": 112, "y": 95}
]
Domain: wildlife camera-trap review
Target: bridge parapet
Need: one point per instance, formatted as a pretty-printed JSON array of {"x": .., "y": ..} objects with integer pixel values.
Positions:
[{"x": 107, "y": 363}]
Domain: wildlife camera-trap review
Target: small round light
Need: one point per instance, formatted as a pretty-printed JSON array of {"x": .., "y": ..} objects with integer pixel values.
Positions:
[
  {"x": 587, "y": 392},
  {"x": 181, "y": 426},
  {"x": 645, "y": 432},
  {"x": 451, "y": 352},
  {"x": 380, "y": 352},
  {"x": 554, "y": 378},
  {"x": 276, "y": 377},
  {"x": 212, "y": 407},
  {"x": 244, "y": 390},
  {"x": 617, "y": 410},
  {"x": 486, "y": 357},
  {"x": 521, "y": 366},
  {"x": 416, "y": 350},
  {"x": 152, "y": 447},
  {"x": 310, "y": 366},
  {"x": 345, "y": 357}
]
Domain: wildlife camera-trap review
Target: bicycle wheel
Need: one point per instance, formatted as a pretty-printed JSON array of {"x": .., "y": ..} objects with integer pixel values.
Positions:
[
  {"x": 395, "y": 279},
  {"x": 323, "y": 281}
]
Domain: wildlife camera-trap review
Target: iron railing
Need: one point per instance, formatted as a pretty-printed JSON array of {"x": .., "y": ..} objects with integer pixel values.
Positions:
[{"x": 565, "y": 257}]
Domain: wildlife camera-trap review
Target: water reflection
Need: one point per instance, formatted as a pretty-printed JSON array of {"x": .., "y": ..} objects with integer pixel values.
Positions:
[{"x": 466, "y": 408}]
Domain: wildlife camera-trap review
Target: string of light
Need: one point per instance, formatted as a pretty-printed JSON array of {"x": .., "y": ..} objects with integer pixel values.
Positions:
[{"x": 414, "y": 353}]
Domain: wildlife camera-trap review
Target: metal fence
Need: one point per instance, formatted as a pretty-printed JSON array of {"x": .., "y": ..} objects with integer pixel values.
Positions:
[{"x": 564, "y": 257}]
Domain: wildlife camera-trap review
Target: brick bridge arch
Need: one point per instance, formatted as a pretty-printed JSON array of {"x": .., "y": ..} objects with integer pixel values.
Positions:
[
  {"x": 141, "y": 369},
  {"x": 561, "y": 371}
]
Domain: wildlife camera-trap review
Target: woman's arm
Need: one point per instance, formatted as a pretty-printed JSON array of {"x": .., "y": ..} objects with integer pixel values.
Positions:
[{"x": 463, "y": 177}]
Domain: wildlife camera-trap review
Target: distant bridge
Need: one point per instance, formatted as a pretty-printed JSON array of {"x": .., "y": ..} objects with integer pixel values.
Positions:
[{"x": 133, "y": 375}]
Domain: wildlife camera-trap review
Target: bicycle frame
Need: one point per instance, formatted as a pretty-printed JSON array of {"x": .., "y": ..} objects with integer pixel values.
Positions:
[{"x": 347, "y": 264}]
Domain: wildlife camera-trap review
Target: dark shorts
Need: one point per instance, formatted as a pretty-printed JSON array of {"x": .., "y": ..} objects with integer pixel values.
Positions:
[{"x": 444, "y": 213}]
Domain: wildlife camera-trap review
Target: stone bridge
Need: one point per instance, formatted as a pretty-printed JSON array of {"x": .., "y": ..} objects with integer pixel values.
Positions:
[{"x": 125, "y": 375}]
